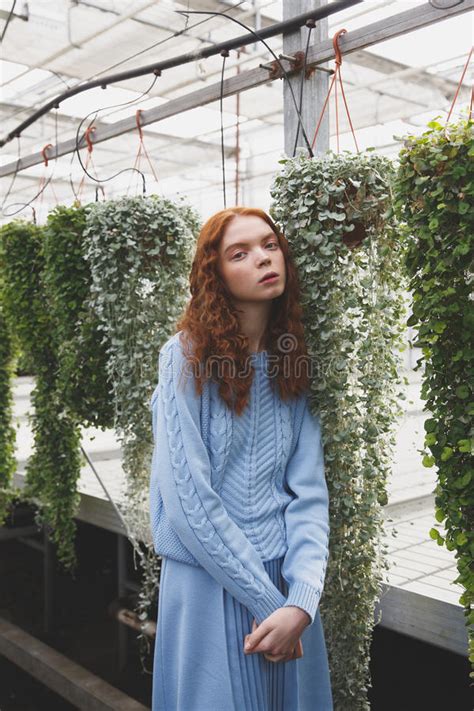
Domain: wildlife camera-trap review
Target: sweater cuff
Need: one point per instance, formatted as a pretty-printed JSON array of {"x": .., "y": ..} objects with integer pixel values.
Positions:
[
  {"x": 304, "y": 596},
  {"x": 268, "y": 603}
]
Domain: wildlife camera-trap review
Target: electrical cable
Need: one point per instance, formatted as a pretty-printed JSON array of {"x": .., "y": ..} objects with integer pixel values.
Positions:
[
  {"x": 10, "y": 15},
  {"x": 303, "y": 77},
  {"x": 95, "y": 111},
  {"x": 255, "y": 34},
  {"x": 78, "y": 141},
  {"x": 18, "y": 161},
  {"x": 40, "y": 191},
  {"x": 225, "y": 54}
]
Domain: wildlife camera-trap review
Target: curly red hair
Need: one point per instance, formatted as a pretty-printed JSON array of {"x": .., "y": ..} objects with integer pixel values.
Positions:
[{"x": 211, "y": 325}]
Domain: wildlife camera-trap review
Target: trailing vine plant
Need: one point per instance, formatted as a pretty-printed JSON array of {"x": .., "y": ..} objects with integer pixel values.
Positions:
[
  {"x": 73, "y": 350},
  {"x": 53, "y": 468},
  {"x": 82, "y": 378},
  {"x": 139, "y": 250},
  {"x": 334, "y": 212},
  {"x": 434, "y": 194},
  {"x": 7, "y": 431}
]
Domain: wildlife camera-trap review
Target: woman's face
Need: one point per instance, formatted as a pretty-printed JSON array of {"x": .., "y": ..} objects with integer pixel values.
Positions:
[{"x": 248, "y": 250}]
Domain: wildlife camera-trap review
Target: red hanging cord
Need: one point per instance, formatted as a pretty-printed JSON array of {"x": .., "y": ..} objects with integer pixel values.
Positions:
[
  {"x": 43, "y": 153},
  {"x": 337, "y": 74},
  {"x": 42, "y": 182},
  {"x": 458, "y": 90},
  {"x": 141, "y": 148},
  {"x": 89, "y": 160}
]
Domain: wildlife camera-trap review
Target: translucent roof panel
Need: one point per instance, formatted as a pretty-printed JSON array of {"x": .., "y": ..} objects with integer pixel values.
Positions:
[{"x": 393, "y": 87}]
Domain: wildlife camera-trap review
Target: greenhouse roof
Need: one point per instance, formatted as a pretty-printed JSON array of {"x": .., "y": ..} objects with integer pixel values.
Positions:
[{"x": 394, "y": 87}]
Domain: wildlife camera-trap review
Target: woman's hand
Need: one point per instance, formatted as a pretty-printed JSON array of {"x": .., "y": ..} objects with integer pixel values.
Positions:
[
  {"x": 297, "y": 652},
  {"x": 278, "y": 636}
]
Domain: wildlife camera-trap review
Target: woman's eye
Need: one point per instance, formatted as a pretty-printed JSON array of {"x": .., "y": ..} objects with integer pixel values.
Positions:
[{"x": 272, "y": 244}]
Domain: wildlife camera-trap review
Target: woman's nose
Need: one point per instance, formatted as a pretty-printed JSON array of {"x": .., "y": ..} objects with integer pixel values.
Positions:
[{"x": 263, "y": 258}]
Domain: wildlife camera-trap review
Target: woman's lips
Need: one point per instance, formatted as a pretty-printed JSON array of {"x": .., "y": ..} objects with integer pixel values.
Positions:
[{"x": 269, "y": 279}]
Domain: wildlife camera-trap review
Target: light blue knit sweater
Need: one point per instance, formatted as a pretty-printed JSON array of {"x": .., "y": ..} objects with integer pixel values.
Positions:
[{"x": 229, "y": 492}]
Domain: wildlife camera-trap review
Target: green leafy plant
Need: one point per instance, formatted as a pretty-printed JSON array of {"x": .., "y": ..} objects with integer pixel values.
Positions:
[
  {"x": 79, "y": 343},
  {"x": 53, "y": 468},
  {"x": 333, "y": 211},
  {"x": 139, "y": 251},
  {"x": 7, "y": 432},
  {"x": 434, "y": 195}
]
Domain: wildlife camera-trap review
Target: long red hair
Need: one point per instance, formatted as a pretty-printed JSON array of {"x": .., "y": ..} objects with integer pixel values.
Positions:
[{"x": 211, "y": 326}]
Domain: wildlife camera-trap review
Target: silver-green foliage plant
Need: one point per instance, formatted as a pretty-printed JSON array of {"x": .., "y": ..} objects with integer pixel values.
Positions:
[
  {"x": 140, "y": 252},
  {"x": 332, "y": 210}
]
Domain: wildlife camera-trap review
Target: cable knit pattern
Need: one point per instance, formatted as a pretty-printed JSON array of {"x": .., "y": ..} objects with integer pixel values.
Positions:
[
  {"x": 220, "y": 434},
  {"x": 228, "y": 492},
  {"x": 191, "y": 502}
]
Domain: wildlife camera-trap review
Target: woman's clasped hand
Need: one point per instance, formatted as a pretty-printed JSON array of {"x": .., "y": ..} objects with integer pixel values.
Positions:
[{"x": 278, "y": 636}]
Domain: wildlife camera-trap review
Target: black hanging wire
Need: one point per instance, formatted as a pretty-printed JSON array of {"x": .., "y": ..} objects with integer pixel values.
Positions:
[
  {"x": 47, "y": 182},
  {"x": 25, "y": 204},
  {"x": 42, "y": 189},
  {"x": 224, "y": 54},
  {"x": 96, "y": 111},
  {"x": 186, "y": 21},
  {"x": 10, "y": 15},
  {"x": 310, "y": 24},
  {"x": 260, "y": 39},
  {"x": 7, "y": 194}
]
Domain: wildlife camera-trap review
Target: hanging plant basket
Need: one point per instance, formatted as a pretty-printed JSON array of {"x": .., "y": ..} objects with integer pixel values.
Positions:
[
  {"x": 435, "y": 200},
  {"x": 333, "y": 210},
  {"x": 52, "y": 471},
  {"x": 139, "y": 252}
]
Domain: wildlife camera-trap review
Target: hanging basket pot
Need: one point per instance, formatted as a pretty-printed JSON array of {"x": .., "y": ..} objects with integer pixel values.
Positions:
[
  {"x": 354, "y": 237},
  {"x": 335, "y": 200}
]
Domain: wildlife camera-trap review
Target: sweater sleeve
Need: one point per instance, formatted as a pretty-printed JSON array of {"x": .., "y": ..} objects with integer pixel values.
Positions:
[
  {"x": 307, "y": 518},
  {"x": 181, "y": 468}
]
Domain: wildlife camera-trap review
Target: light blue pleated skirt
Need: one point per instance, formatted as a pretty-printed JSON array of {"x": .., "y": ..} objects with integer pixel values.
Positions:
[{"x": 199, "y": 662}]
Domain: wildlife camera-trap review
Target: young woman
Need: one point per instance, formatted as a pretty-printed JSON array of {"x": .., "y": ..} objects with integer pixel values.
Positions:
[{"x": 238, "y": 496}]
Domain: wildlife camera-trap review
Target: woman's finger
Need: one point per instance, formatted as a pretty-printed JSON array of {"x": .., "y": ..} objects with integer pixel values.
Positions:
[
  {"x": 296, "y": 654},
  {"x": 254, "y": 627},
  {"x": 299, "y": 649},
  {"x": 274, "y": 657}
]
